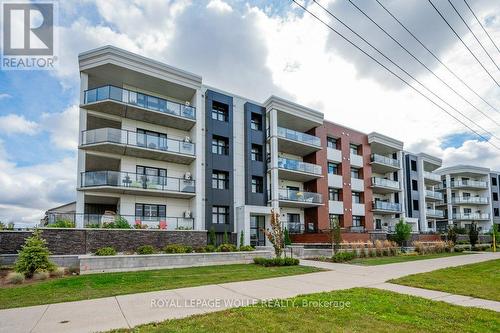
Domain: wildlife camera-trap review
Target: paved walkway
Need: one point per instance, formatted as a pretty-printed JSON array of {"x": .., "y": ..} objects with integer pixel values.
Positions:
[{"x": 131, "y": 310}]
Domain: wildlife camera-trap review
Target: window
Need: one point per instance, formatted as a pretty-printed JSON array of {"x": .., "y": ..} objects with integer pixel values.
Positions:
[
  {"x": 414, "y": 185},
  {"x": 220, "y": 215},
  {"x": 415, "y": 204},
  {"x": 333, "y": 168},
  {"x": 356, "y": 197},
  {"x": 333, "y": 194},
  {"x": 467, "y": 211},
  {"x": 494, "y": 181},
  {"x": 496, "y": 211},
  {"x": 148, "y": 176},
  {"x": 355, "y": 173},
  {"x": 378, "y": 224},
  {"x": 395, "y": 176},
  {"x": 256, "y": 153},
  {"x": 332, "y": 142},
  {"x": 495, "y": 196},
  {"x": 353, "y": 148},
  {"x": 334, "y": 218},
  {"x": 256, "y": 122},
  {"x": 220, "y": 111},
  {"x": 153, "y": 140},
  {"x": 220, "y": 180},
  {"x": 356, "y": 221},
  {"x": 466, "y": 194},
  {"x": 413, "y": 165},
  {"x": 150, "y": 212},
  {"x": 257, "y": 184},
  {"x": 220, "y": 145}
]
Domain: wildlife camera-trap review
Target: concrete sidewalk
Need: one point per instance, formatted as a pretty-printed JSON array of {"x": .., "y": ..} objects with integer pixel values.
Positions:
[{"x": 131, "y": 310}]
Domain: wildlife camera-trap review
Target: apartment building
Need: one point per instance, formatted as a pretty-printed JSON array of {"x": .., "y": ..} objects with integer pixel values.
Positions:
[
  {"x": 466, "y": 193},
  {"x": 495, "y": 192},
  {"x": 423, "y": 199},
  {"x": 162, "y": 150}
]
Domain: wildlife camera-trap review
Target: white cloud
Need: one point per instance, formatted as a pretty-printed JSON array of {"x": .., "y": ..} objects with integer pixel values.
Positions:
[
  {"x": 16, "y": 124},
  {"x": 4, "y": 96},
  {"x": 219, "y": 6},
  {"x": 62, "y": 127}
]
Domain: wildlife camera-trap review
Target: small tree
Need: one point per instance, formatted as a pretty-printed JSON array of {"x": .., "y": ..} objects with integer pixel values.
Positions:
[
  {"x": 225, "y": 238},
  {"x": 34, "y": 255},
  {"x": 473, "y": 234},
  {"x": 452, "y": 234},
  {"x": 495, "y": 237},
  {"x": 211, "y": 236},
  {"x": 275, "y": 235},
  {"x": 288, "y": 241},
  {"x": 242, "y": 239},
  {"x": 335, "y": 234},
  {"x": 402, "y": 232}
]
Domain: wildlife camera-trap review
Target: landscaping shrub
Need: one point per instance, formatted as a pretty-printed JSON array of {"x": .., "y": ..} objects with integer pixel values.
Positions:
[
  {"x": 246, "y": 248},
  {"x": 473, "y": 234},
  {"x": 200, "y": 249},
  {"x": 34, "y": 256},
  {"x": 145, "y": 249},
  {"x": 62, "y": 223},
  {"x": 481, "y": 247},
  {"x": 227, "y": 248},
  {"x": 276, "y": 261},
  {"x": 119, "y": 223},
  {"x": 210, "y": 248},
  {"x": 41, "y": 275},
  {"x": 58, "y": 272},
  {"x": 288, "y": 240},
  {"x": 343, "y": 256},
  {"x": 14, "y": 278},
  {"x": 105, "y": 251},
  {"x": 211, "y": 236},
  {"x": 177, "y": 248},
  {"x": 458, "y": 249},
  {"x": 402, "y": 232}
]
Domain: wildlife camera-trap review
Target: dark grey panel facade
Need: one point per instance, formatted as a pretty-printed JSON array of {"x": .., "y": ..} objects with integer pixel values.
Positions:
[
  {"x": 495, "y": 195},
  {"x": 411, "y": 176},
  {"x": 255, "y": 168},
  {"x": 219, "y": 197}
]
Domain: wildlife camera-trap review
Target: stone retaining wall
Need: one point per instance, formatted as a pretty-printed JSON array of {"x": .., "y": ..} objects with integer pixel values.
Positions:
[
  {"x": 59, "y": 260},
  {"x": 82, "y": 241}
]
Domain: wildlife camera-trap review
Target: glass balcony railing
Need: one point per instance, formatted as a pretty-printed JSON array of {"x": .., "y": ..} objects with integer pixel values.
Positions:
[
  {"x": 139, "y": 99},
  {"x": 469, "y": 183},
  {"x": 434, "y": 194},
  {"x": 381, "y": 182},
  {"x": 136, "y": 181},
  {"x": 295, "y": 165},
  {"x": 469, "y": 200},
  {"x": 299, "y": 136},
  {"x": 119, "y": 136},
  {"x": 385, "y": 160},
  {"x": 389, "y": 206},
  {"x": 300, "y": 196},
  {"x": 471, "y": 216},
  {"x": 432, "y": 176},
  {"x": 435, "y": 213}
]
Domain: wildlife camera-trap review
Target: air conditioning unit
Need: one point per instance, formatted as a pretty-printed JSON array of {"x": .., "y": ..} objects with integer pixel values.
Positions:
[
  {"x": 187, "y": 139},
  {"x": 187, "y": 214},
  {"x": 188, "y": 176}
]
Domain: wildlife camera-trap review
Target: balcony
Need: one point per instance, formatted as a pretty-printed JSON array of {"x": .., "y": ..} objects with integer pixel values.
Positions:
[
  {"x": 436, "y": 213},
  {"x": 383, "y": 207},
  {"x": 471, "y": 216},
  {"x": 122, "y": 142},
  {"x": 433, "y": 195},
  {"x": 292, "y": 198},
  {"x": 431, "y": 178},
  {"x": 472, "y": 184},
  {"x": 470, "y": 200},
  {"x": 383, "y": 164},
  {"x": 381, "y": 185},
  {"x": 298, "y": 143},
  {"x": 134, "y": 105},
  {"x": 294, "y": 227},
  {"x": 298, "y": 170},
  {"x": 137, "y": 184}
]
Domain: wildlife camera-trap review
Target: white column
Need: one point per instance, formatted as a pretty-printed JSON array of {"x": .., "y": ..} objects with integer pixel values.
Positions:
[
  {"x": 273, "y": 128},
  {"x": 448, "y": 199},
  {"x": 401, "y": 179},
  {"x": 199, "y": 172},
  {"x": 82, "y": 126}
]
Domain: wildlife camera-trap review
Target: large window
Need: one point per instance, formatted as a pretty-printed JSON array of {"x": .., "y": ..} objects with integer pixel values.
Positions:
[
  {"x": 333, "y": 168},
  {"x": 333, "y": 194},
  {"x": 332, "y": 142},
  {"x": 495, "y": 196},
  {"x": 414, "y": 185},
  {"x": 355, "y": 173},
  {"x": 494, "y": 181},
  {"x": 220, "y": 180},
  {"x": 415, "y": 205},
  {"x": 150, "y": 139},
  {"x": 413, "y": 164},
  {"x": 257, "y": 184},
  {"x": 256, "y": 122},
  {"x": 357, "y": 221},
  {"x": 150, "y": 212},
  {"x": 356, "y": 197},
  {"x": 220, "y": 111},
  {"x": 354, "y": 149},
  {"x": 220, "y": 214},
  {"x": 256, "y": 153},
  {"x": 220, "y": 145}
]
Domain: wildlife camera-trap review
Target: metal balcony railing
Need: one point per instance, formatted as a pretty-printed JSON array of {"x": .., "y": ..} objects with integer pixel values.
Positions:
[
  {"x": 142, "y": 140},
  {"x": 469, "y": 200},
  {"x": 136, "y": 181},
  {"x": 434, "y": 194},
  {"x": 300, "y": 196},
  {"x": 384, "y": 160},
  {"x": 432, "y": 176},
  {"x": 299, "y": 136},
  {"x": 295, "y": 165},
  {"x": 435, "y": 213},
  {"x": 376, "y": 181},
  {"x": 134, "y": 98},
  {"x": 389, "y": 206},
  {"x": 469, "y": 183},
  {"x": 471, "y": 216}
]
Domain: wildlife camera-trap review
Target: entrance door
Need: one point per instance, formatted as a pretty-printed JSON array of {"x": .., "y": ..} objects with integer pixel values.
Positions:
[{"x": 257, "y": 225}]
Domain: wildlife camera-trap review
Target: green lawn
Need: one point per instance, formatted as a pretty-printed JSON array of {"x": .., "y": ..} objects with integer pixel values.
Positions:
[
  {"x": 370, "y": 310},
  {"x": 477, "y": 280},
  {"x": 74, "y": 288},
  {"x": 402, "y": 258}
]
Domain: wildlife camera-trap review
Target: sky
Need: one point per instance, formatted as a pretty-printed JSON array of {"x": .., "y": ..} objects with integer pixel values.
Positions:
[{"x": 257, "y": 48}]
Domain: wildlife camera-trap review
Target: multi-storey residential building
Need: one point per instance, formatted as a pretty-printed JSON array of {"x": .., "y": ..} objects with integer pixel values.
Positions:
[
  {"x": 162, "y": 150},
  {"x": 495, "y": 193},
  {"x": 422, "y": 197},
  {"x": 466, "y": 192}
]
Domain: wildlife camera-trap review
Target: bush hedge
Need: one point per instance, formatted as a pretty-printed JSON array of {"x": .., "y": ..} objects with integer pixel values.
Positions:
[
  {"x": 105, "y": 251},
  {"x": 145, "y": 249},
  {"x": 177, "y": 248},
  {"x": 275, "y": 261},
  {"x": 343, "y": 256},
  {"x": 246, "y": 248},
  {"x": 226, "y": 247}
]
